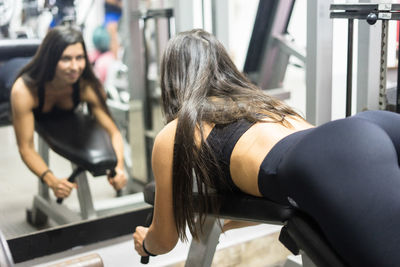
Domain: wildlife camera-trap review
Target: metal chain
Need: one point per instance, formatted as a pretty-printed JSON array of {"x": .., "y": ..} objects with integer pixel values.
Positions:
[{"x": 383, "y": 66}]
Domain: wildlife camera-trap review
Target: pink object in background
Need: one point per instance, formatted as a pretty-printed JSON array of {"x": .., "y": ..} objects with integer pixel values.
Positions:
[{"x": 103, "y": 62}]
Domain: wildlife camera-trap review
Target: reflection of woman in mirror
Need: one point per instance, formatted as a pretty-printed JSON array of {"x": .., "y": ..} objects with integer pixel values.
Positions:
[
  {"x": 225, "y": 134},
  {"x": 53, "y": 83}
]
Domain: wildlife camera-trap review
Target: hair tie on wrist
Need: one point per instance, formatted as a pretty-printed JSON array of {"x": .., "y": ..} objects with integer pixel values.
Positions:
[
  {"x": 147, "y": 252},
  {"x": 41, "y": 177}
]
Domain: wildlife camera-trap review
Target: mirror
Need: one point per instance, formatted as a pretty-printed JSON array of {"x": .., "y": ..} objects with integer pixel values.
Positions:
[{"x": 133, "y": 101}]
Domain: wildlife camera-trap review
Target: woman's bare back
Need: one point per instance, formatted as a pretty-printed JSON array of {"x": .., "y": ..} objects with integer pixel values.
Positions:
[{"x": 253, "y": 146}]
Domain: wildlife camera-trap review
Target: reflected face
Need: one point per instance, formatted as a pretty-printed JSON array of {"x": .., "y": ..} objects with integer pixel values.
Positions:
[{"x": 71, "y": 64}]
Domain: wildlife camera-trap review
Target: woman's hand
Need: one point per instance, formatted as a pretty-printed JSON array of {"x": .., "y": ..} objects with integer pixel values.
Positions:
[
  {"x": 62, "y": 188},
  {"x": 119, "y": 180},
  {"x": 138, "y": 236}
]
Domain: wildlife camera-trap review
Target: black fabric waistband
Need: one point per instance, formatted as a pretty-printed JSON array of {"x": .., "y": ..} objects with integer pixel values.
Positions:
[
  {"x": 268, "y": 183},
  {"x": 278, "y": 151}
]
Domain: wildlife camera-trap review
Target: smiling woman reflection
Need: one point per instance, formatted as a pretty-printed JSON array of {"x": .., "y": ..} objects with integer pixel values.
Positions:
[{"x": 56, "y": 81}]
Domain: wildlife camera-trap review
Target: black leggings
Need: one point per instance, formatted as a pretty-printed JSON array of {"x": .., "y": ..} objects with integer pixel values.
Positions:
[{"x": 345, "y": 174}]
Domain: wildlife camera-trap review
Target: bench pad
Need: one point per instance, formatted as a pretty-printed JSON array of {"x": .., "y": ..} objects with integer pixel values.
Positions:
[
  {"x": 80, "y": 139},
  {"x": 242, "y": 206}
]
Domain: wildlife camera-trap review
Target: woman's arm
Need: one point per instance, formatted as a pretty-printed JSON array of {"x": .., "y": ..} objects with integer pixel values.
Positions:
[
  {"x": 22, "y": 103},
  {"x": 162, "y": 235},
  {"x": 88, "y": 95}
]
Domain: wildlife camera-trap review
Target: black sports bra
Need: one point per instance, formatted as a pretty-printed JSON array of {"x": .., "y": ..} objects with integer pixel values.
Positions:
[
  {"x": 222, "y": 139},
  {"x": 56, "y": 111}
]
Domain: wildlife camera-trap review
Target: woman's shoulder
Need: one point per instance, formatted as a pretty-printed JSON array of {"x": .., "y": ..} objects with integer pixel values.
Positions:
[
  {"x": 164, "y": 145},
  {"x": 20, "y": 88},
  {"x": 21, "y": 93},
  {"x": 84, "y": 82},
  {"x": 84, "y": 85},
  {"x": 19, "y": 84},
  {"x": 87, "y": 90},
  {"x": 167, "y": 134}
]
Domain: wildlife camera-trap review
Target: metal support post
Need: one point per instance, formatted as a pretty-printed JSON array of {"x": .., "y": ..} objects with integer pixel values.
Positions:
[
  {"x": 84, "y": 196},
  {"x": 318, "y": 62},
  {"x": 201, "y": 252},
  {"x": 349, "y": 79},
  {"x": 43, "y": 150}
]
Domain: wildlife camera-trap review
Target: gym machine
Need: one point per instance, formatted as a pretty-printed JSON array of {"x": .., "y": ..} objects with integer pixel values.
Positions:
[
  {"x": 149, "y": 32},
  {"x": 271, "y": 46},
  {"x": 299, "y": 233},
  {"x": 370, "y": 13},
  {"x": 13, "y": 54}
]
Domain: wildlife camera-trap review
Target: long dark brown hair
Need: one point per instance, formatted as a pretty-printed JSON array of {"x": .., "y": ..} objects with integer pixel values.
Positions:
[
  {"x": 200, "y": 83},
  {"x": 42, "y": 67}
]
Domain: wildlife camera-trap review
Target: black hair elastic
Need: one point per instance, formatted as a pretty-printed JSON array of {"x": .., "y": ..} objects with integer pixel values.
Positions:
[
  {"x": 145, "y": 250},
  {"x": 41, "y": 177}
]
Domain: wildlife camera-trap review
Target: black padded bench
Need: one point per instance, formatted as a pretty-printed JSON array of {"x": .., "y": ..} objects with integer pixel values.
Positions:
[
  {"x": 80, "y": 139},
  {"x": 14, "y": 53},
  {"x": 299, "y": 233}
]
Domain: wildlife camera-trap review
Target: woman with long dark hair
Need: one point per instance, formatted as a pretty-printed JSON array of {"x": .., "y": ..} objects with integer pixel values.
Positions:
[
  {"x": 57, "y": 79},
  {"x": 224, "y": 134}
]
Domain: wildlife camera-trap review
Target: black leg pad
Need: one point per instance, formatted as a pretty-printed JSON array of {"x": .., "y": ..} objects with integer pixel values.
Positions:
[
  {"x": 288, "y": 241},
  {"x": 308, "y": 237}
]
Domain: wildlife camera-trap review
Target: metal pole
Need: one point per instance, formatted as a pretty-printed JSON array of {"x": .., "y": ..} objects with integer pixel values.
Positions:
[
  {"x": 349, "y": 84},
  {"x": 398, "y": 75}
]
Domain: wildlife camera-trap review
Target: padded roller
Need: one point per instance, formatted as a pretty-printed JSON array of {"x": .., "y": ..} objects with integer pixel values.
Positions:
[{"x": 11, "y": 48}]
